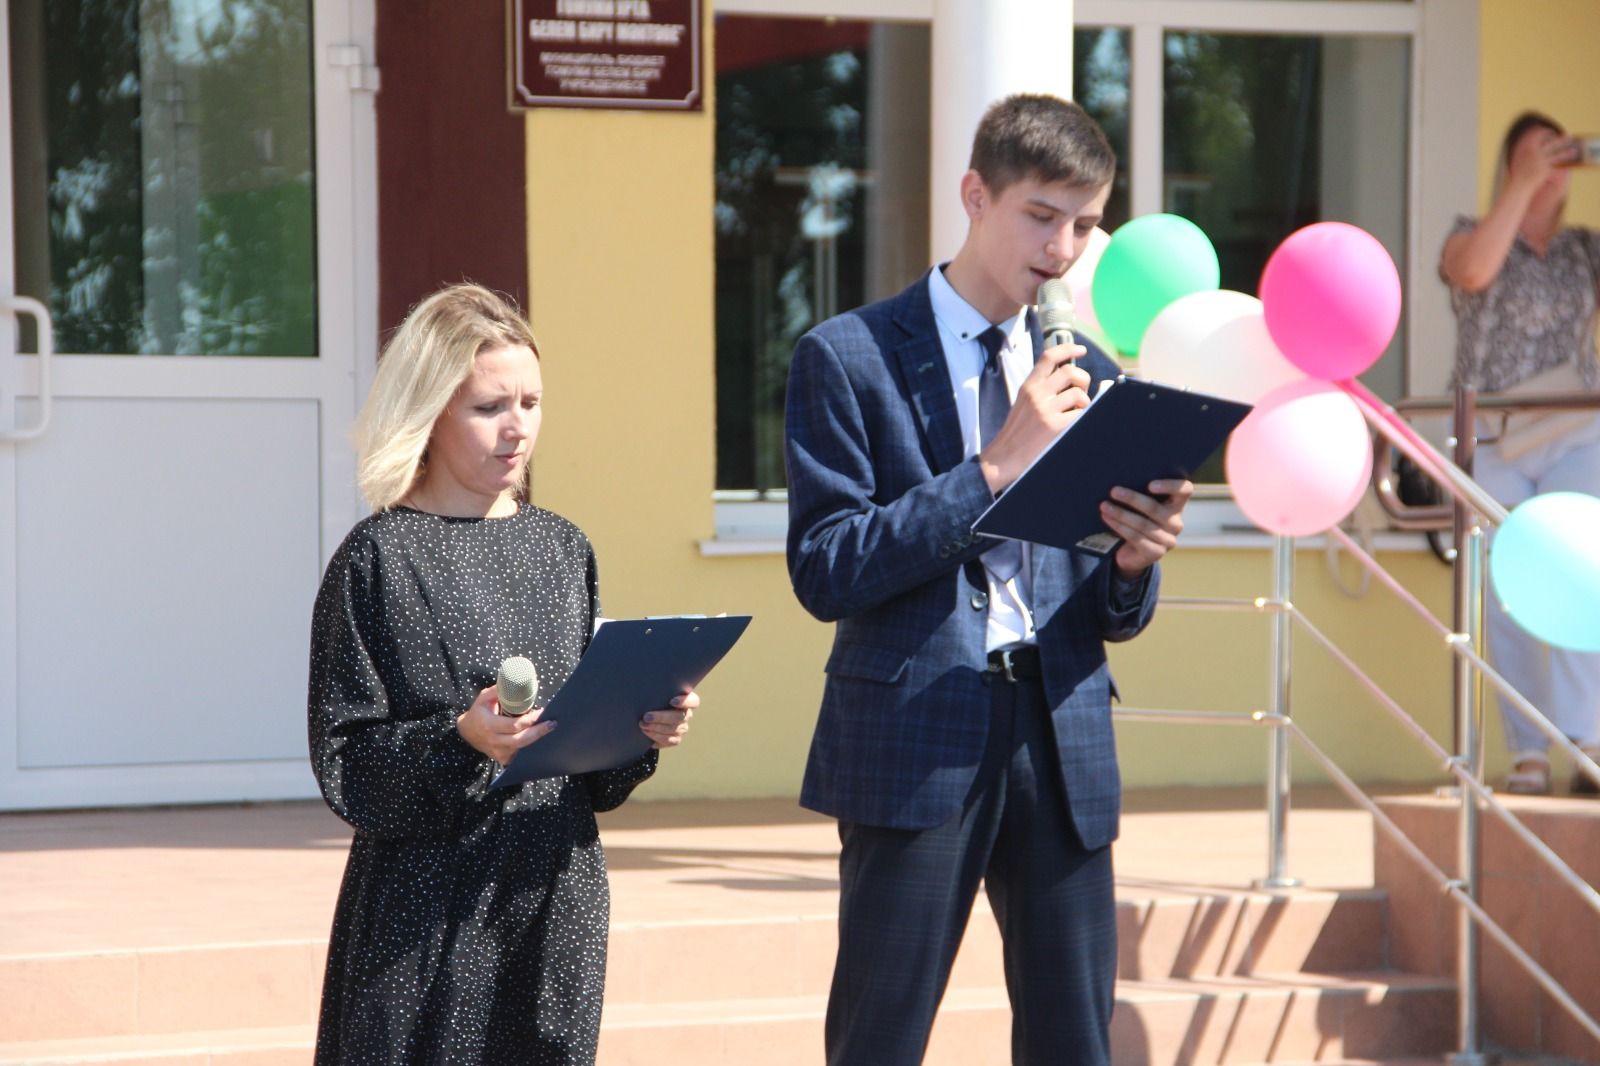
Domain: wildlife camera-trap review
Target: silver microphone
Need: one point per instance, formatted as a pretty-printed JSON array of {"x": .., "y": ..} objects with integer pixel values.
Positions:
[
  {"x": 517, "y": 686},
  {"x": 1057, "y": 319}
]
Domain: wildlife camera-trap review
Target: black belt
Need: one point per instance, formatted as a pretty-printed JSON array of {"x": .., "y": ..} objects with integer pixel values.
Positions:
[{"x": 1015, "y": 664}]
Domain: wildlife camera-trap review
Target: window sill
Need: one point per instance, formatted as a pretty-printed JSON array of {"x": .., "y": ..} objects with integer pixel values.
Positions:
[
  {"x": 713, "y": 547},
  {"x": 759, "y": 527}
]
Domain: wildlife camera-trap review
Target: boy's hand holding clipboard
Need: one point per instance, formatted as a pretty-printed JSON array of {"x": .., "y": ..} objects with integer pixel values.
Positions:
[{"x": 1097, "y": 486}]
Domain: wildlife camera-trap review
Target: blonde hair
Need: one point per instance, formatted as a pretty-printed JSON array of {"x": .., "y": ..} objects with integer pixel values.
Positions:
[{"x": 423, "y": 365}]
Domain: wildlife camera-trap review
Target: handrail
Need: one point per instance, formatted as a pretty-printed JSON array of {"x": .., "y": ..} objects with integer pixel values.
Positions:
[
  {"x": 1455, "y": 480},
  {"x": 1454, "y": 887},
  {"x": 1473, "y": 509},
  {"x": 1469, "y": 511},
  {"x": 1580, "y": 758},
  {"x": 1439, "y": 516},
  {"x": 1454, "y": 764}
]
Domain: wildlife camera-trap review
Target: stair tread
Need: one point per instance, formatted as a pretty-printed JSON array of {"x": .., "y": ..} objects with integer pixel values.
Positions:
[
  {"x": 1147, "y": 896},
  {"x": 160, "y": 949},
  {"x": 714, "y": 1011},
  {"x": 1288, "y": 982},
  {"x": 111, "y": 1048},
  {"x": 1136, "y": 896}
]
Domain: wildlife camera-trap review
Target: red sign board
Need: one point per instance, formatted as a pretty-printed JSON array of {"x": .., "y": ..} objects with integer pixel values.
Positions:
[{"x": 606, "y": 53}]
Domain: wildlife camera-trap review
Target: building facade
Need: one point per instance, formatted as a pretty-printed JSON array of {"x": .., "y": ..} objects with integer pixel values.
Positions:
[{"x": 224, "y": 206}]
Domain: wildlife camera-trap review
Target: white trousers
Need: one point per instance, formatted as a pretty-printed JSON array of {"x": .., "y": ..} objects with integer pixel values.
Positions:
[{"x": 1565, "y": 685}]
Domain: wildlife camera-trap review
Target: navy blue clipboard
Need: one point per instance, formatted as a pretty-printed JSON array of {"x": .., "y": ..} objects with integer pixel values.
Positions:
[
  {"x": 1132, "y": 434},
  {"x": 631, "y": 666}
]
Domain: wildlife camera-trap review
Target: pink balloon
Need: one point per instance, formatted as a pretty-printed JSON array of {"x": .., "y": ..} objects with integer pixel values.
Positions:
[
  {"x": 1301, "y": 461},
  {"x": 1081, "y": 276},
  {"x": 1332, "y": 299}
]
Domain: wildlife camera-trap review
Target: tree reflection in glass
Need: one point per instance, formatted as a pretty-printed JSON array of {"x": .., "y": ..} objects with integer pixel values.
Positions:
[{"x": 170, "y": 208}]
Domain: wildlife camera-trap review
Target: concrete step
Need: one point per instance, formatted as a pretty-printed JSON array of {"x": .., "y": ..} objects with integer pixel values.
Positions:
[
  {"x": 1241, "y": 1020},
  {"x": 224, "y": 987},
  {"x": 1546, "y": 917},
  {"x": 1202, "y": 933},
  {"x": 276, "y": 1046},
  {"x": 254, "y": 985},
  {"x": 212, "y": 947},
  {"x": 1155, "y": 1023}
]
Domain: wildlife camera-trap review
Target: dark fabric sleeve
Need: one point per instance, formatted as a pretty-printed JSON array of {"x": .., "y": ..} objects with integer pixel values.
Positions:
[
  {"x": 1126, "y": 606},
  {"x": 609, "y": 788},
  {"x": 847, "y": 552},
  {"x": 384, "y": 775},
  {"x": 1128, "y": 593}
]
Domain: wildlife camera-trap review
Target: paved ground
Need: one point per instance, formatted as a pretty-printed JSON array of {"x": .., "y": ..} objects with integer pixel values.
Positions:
[{"x": 86, "y": 880}]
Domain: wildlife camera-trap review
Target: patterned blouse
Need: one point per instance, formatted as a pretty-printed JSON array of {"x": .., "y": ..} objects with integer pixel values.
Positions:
[
  {"x": 1537, "y": 314},
  {"x": 471, "y": 925}
]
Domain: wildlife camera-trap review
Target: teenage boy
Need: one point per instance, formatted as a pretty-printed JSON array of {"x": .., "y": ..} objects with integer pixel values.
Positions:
[{"x": 965, "y": 731}]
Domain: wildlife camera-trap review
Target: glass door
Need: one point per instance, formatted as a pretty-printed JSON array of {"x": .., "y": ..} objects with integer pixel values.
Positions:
[{"x": 183, "y": 214}]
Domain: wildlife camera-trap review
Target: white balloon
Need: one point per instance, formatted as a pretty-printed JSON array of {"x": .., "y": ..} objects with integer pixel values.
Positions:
[
  {"x": 1081, "y": 277},
  {"x": 1215, "y": 342}
]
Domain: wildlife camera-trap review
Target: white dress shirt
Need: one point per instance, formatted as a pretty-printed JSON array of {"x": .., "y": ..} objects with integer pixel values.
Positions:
[{"x": 1010, "y": 602}]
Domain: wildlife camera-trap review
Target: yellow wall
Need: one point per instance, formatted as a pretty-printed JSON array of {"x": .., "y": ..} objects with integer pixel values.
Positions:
[
  {"x": 620, "y": 293},
  {"x": 1541, "y": 56},
  {"x": 1205, "y": 660},
  {"x": 621, "y": 290}
]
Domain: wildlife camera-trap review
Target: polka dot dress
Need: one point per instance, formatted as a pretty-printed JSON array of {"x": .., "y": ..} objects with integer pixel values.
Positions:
[{"x": 471, "y": 925}]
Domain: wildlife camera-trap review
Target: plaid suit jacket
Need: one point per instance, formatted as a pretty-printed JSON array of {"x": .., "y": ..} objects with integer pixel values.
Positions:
[{"x": 881, "y": 504}]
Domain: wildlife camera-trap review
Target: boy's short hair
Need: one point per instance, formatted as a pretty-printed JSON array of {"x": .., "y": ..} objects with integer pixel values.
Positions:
[{"x": 1031, "y": 135}]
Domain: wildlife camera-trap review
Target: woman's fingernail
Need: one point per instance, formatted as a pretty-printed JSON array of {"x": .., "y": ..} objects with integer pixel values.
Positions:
[{"x": 650, "y": 717}]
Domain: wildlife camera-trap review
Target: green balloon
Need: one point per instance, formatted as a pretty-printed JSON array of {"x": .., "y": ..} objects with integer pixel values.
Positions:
[{"x": 1151, "y": 261}]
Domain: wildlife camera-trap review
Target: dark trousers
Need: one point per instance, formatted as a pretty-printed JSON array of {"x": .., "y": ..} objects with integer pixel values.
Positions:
[{"x": 906, "y": 896}]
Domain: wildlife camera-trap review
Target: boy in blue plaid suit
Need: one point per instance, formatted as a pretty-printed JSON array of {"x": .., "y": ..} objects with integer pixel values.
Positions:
[{"x": 965, "y": 731}]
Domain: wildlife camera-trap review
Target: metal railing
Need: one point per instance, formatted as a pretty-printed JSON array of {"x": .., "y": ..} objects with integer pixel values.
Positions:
[{"x": 1468, "y": 510}]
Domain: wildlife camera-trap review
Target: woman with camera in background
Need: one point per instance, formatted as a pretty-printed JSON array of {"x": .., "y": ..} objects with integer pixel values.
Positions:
[{"x": 1524, "y": 287}]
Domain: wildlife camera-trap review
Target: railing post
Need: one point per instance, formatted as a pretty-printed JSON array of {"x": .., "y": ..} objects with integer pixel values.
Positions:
[
  {"x": 1469, "y": 580},
  {"x": 1278, "y": 739}
]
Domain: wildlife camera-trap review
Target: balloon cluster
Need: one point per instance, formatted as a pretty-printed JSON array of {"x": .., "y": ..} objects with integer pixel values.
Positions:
[{"x": 1329, "y": 303}]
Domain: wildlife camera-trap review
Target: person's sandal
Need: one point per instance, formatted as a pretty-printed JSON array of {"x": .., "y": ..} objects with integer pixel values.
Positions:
[
  {"x": 1582, "y": 783},
  {"x": 1530, "y": 774}
]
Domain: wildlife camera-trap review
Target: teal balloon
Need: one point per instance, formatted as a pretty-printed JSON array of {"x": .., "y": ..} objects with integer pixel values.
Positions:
[
  {"x": 1544, "y": 565},
  {"x": 1151, "y": 261}
]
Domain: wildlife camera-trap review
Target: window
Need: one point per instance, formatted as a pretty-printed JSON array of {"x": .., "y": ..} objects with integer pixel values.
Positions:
[
  {"x": 1100, "y": 83},
  {"x": 822, "y": 196},
  {"x": 822, "y": 164},
  {"x": 1253, "y": 119},
  {"x": 163, "y": 174},
  {"x": 1265, "y": 134}
]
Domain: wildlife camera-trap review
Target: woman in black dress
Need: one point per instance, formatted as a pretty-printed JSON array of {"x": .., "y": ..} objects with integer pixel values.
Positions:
[{"x": 471, "y": 925}]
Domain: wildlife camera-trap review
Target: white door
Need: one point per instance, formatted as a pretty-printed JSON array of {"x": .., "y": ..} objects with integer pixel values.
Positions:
[{"x": 186, "y": 188}]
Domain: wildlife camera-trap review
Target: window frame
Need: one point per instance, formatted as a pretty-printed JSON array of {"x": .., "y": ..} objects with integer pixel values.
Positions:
[{"x": 1441, "y": 169}]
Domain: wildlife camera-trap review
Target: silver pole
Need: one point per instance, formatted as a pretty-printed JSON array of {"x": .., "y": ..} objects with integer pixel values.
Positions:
[
  {"x": 1278, "y": 742},
  {"x": 1469, "y": 756},
  {"x": 1468, "y": 618}
]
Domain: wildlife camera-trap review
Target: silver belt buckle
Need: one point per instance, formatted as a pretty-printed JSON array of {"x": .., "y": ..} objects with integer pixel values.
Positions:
[{"x": 1005, "y": 661}]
